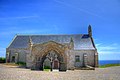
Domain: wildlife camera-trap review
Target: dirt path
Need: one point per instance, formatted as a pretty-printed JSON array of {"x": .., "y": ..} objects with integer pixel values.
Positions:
[{"x": 13, "y": 73}]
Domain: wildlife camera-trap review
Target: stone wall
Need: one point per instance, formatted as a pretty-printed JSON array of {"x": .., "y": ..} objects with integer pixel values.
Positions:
[
  {"x": 70, "y": 59},
  {"x": 90, "y": 58},
  {"x": 25, "y": 56},
  {"x": 21, "y": 54}
]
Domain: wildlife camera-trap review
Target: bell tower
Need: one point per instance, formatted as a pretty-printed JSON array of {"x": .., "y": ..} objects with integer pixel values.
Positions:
[{"x": 90, "y": 30}]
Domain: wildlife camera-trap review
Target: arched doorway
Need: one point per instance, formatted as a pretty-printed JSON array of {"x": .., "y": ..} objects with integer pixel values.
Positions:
[
  {"x": 52, "y": 60},
  {"x": 56, "y": 61},
  {"x": 55, "y": 53}
]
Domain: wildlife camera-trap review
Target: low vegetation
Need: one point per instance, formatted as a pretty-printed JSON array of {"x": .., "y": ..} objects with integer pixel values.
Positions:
[
  {"x": 109, "y": 65},
  {"x": 21, "y": 63},
  {"x": 46, "y": 68},
  {"x": 16, "y": 64},
  {"x": 11, "y": 64},
  {"x": 2, "y": 60}
]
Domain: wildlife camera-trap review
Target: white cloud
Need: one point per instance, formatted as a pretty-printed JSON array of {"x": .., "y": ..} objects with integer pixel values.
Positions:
[
  {"x": 20, "y": 17},
  {"x": 98, "y": 44},
  {"x": 108, "y": 49},
  {"x": 17, "y": 31},
  {"x": 2, "y": 49},
  {"x": 109, "y": 52},
  {"x": 77, "y": 8},
  {"x": 2, "y": 52},
  {"x": 115, "y": 44}
]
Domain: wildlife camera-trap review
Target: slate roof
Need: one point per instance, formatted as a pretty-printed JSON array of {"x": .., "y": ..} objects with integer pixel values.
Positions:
[{"x": 81, "y": 41}]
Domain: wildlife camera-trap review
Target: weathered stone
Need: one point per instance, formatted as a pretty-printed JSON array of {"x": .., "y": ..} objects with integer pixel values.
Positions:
[{"x": 33, "y": 50}]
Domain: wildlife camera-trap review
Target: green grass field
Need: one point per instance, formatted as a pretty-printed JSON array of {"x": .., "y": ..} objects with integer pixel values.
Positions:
[{"x": 108, "y": 65}]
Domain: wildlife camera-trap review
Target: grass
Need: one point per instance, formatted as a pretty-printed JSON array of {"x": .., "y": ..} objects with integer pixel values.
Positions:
[
  {"x": 21, "y": 63},
  {"x": 11, "y": 64},
  {"x": 47, "y": 70},
  {"x": 108, "y": 65},
  {"x": 16, "y": 64}
]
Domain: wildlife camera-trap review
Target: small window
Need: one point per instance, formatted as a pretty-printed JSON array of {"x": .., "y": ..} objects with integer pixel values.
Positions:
[
  {"x": 8, "y": 57},
  {"x": 85, "y": 36},
  {"x": 77, "y": 58},
  {"x": 13, "y": 58}
]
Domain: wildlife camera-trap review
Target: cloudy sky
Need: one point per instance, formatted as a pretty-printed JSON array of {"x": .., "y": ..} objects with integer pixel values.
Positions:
[{"x": 63, "y": 17}]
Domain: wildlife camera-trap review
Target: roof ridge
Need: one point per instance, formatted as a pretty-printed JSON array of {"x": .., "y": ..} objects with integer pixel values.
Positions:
[{"x": 46, "y": 34}]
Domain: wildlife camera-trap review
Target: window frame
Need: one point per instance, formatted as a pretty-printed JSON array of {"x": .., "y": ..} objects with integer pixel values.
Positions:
[{"x": 77, "y": 58}]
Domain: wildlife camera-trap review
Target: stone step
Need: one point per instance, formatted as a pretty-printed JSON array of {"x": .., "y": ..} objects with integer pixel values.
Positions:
[{"x": 55, "y": 70}]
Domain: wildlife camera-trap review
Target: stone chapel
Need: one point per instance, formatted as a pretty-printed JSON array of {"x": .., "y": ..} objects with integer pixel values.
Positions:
[{"x": 60, "y": 52}]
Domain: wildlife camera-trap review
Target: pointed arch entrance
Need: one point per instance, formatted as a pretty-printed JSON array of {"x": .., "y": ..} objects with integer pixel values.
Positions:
[
  {"x": 52, "y": 60},
  {"x": 55, "y": 52}
]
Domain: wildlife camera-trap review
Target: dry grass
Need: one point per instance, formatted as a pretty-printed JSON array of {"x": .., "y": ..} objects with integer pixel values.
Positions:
[{"x": 11, "y": 64}]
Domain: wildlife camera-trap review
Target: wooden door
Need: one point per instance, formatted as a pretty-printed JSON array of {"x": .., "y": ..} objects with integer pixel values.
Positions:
[{"x": 56, "y": 64}]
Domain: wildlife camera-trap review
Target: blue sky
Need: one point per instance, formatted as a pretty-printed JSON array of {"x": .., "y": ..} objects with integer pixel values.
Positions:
[{"x": 63, "y": 17}]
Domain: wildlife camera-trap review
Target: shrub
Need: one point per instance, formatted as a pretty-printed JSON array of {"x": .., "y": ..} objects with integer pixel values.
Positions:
[
  {"x": 21, "y": 63},
  {"x": 46, "y": 67},
  {"x": 2, "y": 60}
]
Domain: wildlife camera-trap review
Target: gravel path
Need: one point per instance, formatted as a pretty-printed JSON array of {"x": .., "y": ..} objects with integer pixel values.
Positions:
[{"x": 13, "y": 73}]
